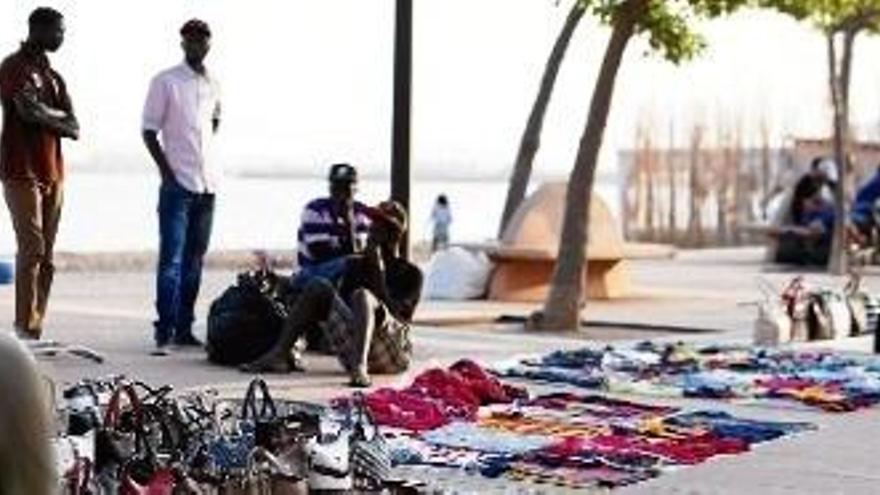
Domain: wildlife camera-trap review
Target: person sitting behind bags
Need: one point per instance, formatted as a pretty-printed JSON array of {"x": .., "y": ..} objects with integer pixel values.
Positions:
[
  {"x": 366, "y": 316},
  {"x": 807, "y": 242}
]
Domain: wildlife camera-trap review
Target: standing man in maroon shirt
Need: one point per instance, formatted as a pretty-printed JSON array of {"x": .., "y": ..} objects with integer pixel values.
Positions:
[{"x": 37, "y": 113}]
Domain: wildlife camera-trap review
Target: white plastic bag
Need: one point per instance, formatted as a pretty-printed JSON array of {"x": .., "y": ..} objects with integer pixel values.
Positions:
[{"x": 457, "y": 274}]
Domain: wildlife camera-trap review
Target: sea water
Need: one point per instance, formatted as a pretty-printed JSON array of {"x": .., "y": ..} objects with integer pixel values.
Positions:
[{"x": 106, "y": 212}]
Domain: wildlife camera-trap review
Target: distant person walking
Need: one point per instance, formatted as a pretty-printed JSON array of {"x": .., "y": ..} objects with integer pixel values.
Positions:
[
  {"x": 37, "y": 113},
  {"x": 183, "y": 108},
  {"x": 441, "y": 219}
]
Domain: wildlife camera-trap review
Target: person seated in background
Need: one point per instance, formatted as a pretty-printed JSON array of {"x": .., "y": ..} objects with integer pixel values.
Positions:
[
  {"x": 331, "y": 228},
  {"x": 365, "y": 316},
  {"x": 864, "y": 208},
  {"x": 821, "y": 175},
  {"x": 807, "y": 242}
]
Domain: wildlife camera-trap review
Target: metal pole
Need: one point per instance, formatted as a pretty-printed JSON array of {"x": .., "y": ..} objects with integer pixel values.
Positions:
[{"x": 400, "y": 140}]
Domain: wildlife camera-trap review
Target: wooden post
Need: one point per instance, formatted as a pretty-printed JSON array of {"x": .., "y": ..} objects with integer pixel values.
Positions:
[{"x": 401, "y": 123}]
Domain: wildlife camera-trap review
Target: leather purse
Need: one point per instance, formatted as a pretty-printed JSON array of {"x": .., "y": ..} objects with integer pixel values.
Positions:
[{"x": 116, "y": 439}]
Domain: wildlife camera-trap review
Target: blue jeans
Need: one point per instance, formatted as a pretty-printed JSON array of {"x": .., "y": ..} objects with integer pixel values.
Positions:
[
  {"x": 330, "y": 270},
  {"x": 185, "y": 220}
]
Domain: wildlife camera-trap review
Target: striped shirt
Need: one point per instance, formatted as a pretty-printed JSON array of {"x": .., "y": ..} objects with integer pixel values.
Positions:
[{"x": 321, "y": 222}]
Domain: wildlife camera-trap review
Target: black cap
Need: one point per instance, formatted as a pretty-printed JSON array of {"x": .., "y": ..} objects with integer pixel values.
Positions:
[
  {"x": 343, "y": 172},
  {"x": 195, "y": 28}
]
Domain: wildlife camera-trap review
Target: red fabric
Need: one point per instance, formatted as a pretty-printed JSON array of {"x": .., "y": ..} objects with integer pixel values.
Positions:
[
  {"x": 439, "y": 396},
  {"x": 162, "y": 483},
  {"x": 402, "y": 409},
  {"x": 691, "y": 450},
  {"x": 777, "y": 383},
  {"x": 486, "y": 387}
]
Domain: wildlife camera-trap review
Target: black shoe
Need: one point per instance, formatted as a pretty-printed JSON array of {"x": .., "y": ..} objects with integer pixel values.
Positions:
[
  {"x": 161, "y": 349},
  {"x": 187, "y": 340},
  {"x": 267, "y": 365},
  {"x": 27, "y": 335}
]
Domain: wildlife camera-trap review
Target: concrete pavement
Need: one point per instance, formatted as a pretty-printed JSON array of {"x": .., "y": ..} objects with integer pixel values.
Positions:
[{"x": 112, "y": 312}]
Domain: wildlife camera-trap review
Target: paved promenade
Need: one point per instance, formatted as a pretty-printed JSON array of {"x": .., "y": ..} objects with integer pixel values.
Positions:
[{"x": 111, "y": 312}]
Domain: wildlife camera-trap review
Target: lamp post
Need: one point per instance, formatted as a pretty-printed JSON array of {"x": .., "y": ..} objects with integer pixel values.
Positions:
[{"x": 400, "y": 138}]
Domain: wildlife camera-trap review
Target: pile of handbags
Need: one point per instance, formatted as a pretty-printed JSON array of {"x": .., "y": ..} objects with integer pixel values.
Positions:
[
  {"x": 801, "y": 313},
  {"x": 117, "y": 436}
]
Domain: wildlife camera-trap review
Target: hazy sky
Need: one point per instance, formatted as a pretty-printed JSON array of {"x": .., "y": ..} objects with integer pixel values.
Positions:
[{"x": 307, "y": 82}]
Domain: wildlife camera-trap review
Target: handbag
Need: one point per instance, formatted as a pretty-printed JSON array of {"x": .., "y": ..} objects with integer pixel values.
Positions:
[
  {"x": 863, "y": 307},
  {"x": 74, "y": 467},
  {"x": 265, "y": 475},
  {"x": 796, "y": 301},
  {"x": 141, "y": 472},
  {"x": 370, "y": 453},
  {"x": 246, "y": 320},
  {"x": 773, "y": 326},
  {"x": 829, "y": 315},
  {"x": 263, "y": 414},
  {"x": 329, "y": 459},
  {"x": 116, "y": 439}
]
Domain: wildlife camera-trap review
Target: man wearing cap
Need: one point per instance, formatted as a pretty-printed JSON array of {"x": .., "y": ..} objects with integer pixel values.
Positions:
[
  {"x": 331, "y": 227},
  {"x": 183, "y": 109},
  {"x": 37, "y": 113},
  {"x": 365, "y": 316}
]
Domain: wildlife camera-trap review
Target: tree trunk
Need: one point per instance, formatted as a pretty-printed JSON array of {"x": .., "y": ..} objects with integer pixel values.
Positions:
[
  {"x": 694, "y": 219},
  {"x": 838, "y": 263},
  {"x": 562, "y": 308},
  {"x": 650, "y": 206},
  {"x": 765, "y": 170},
  {"x": 673, "y": 200},
  {"x": 722, "y": 190},
  {"x": 531, "y": 138}
]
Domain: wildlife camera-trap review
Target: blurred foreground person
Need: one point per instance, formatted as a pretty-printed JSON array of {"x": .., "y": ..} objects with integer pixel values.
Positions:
[{"x": 26, "y": 465}]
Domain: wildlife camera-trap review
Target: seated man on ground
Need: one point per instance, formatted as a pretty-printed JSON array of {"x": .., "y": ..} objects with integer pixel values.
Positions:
[
  {"x": 864, "y": 208},
  {"x": 807, "y": 242},
  {"x": 331, "y": 228},
  {"x": 366, "y": 316},
  {"x": 820, "y": 179}
]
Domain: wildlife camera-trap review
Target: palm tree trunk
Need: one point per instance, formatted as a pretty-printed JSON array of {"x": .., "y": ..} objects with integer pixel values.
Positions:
[
  {"x": 562, "y": 308},
  {"x": 531, "y": 138}
]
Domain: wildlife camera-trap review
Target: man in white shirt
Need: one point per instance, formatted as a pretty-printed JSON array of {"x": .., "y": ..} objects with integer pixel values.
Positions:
[{"x": 183, "y": 109}]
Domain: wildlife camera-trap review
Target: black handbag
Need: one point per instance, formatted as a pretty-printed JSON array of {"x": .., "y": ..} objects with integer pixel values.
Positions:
[{"x": 245, "y": 321}]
